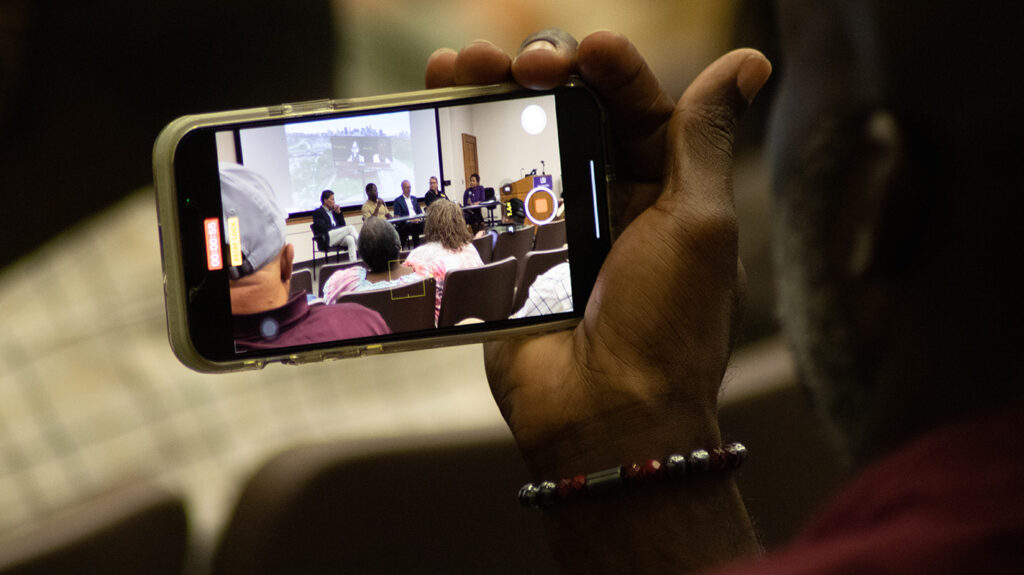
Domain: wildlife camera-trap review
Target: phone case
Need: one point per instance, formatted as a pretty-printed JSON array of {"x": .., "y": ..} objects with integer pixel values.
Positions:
[{"x": 175, "y": 290}]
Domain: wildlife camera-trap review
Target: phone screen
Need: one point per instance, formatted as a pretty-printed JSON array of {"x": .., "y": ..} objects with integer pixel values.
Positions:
[{"x": 391, "y": 224}]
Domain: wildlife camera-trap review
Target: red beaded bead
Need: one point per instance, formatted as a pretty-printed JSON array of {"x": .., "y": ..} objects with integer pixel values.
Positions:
[
  {"x": 699, "y": 461},
  {"x": 631, "y": 473},
  {"x": 571, "y": 487},
  {"x": 641, "y": 473},
  {"x": 651, "y": 469}
]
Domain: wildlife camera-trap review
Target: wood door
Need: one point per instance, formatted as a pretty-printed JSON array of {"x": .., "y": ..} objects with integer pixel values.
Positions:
[{"x": 469, "y": 161}]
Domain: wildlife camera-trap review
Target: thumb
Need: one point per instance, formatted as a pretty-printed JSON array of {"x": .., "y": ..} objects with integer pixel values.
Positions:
[{"x": 700, "y": 134}]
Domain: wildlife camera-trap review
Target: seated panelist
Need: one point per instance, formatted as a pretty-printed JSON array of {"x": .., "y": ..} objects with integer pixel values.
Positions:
[
  {"x": 408, "y": 205},
  {"x": 328, "y": 221},
  {"x": 433, "y": 194},
  {"x": 473, "y": 196},
  {"x": 374, "y": 207}
]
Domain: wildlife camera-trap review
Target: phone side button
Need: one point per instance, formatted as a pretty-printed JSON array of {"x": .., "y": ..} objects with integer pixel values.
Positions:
[
  {"x": 373, "y": 349},
  {"x": 301, "y": 359}
]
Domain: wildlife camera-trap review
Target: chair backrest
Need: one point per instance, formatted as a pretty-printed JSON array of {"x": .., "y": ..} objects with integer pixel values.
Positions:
[
  {"x": 484, "y": 293},
  {"x": 484, "y": 246},
  {"x": 550, "y": 236},
  {"x": 133, "y": 529},
  {"x": 319, "y": 240},
  {"x": 375, "y": 506},
  {"x": 327, "y": 269},
  {"x": 406, "y": 308},
  {"x": 536, "y": 263},
  {"x": 302, "y": 281},
  {"x": 514, "y": 244}
]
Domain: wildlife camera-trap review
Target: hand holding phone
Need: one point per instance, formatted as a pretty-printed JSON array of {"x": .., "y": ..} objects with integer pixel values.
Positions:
[{"x": 639, "y": 376}]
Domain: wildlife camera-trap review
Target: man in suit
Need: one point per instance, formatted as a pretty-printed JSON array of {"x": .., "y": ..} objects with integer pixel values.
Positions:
[
  {"x": 408, "y": 205},
  {"x": 330, "y": 222}
]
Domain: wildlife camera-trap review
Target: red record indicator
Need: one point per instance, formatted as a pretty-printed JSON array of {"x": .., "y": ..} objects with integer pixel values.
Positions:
[{"x": 541, "y": 205}]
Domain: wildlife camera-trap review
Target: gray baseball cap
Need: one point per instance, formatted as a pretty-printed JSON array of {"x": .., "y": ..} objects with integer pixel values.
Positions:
[{"x": 261, "y": 224}]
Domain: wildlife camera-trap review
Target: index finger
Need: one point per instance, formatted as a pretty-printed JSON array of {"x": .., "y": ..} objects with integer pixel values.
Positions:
[{"x": 638, "y": 107}]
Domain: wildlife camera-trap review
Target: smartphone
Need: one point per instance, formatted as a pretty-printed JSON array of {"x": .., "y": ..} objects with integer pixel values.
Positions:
[{"x": 240, "y": 195}]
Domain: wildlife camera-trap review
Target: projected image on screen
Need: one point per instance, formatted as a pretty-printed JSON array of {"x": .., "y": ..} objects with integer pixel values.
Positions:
[
  {"x": 302, "y": 159},
  {"x": 496, "y": 251},
  {"x": 345, "y": 154}
]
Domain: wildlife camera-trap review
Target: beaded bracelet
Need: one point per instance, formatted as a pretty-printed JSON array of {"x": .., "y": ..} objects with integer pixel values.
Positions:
[{"x": 700, "y": 461}]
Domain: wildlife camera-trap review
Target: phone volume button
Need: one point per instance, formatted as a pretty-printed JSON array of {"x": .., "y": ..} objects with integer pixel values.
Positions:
[
  {"x": 300, "y": 108},
  {"x": 301, "y": 359}
]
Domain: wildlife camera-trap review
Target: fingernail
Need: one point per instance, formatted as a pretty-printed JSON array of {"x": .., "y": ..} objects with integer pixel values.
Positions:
[
  {"x": 556, "y": 38},
  {"x": 540, "y": 45},
  {"x": 441, "y": 51},
  {"x": 754, "y": 72}
]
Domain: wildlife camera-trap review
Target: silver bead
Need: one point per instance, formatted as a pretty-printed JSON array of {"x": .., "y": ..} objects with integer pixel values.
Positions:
[
  {"x": 675, "y": 466},
  {"x": 546, "y": 493},
  {"x": 528, "y": 495},
  {"x": 699, "y": 461},
  {"x": 739, "y": 451}
]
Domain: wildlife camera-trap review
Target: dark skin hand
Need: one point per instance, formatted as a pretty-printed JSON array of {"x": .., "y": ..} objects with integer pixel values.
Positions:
[{"x": 639, "y": 376}]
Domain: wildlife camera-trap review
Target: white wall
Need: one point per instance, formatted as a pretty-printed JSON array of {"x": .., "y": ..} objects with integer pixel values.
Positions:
[
  {"x": 453, "y": 123},
  {"x": 265, "y": 150},
  {"x": 504, "y": 149},
  {"x": 424, "y": 150},
  {"x": 226, "y": 147}
]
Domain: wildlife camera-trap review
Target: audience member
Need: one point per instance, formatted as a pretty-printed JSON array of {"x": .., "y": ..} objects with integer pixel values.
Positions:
[
  {"x": 550, "y": 293},
  {"x": 473, "y": 196},
  {"x": 329, "y": 222},
  {"x": 449, "y": 246},
  {"x": 434, "y": 194},
  {"x": 407, "y": 205},
  {"x": 265, "y": 315},
  {"x": 374, "y": 207},
  {"x": 514, "y": 214},
  {"x": 480, "y": 230},
  {"x": 896, "y": 218},
  {"x": 379, "y": 246}
]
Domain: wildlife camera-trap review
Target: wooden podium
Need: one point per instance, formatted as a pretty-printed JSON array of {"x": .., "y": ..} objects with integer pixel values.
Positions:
[{"x": 541, "y": 205}]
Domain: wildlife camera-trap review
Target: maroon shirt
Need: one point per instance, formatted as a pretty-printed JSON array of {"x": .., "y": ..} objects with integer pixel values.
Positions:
[
  {"x": 949, "y": 502},
  {"x": 297, "y": 323}
]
